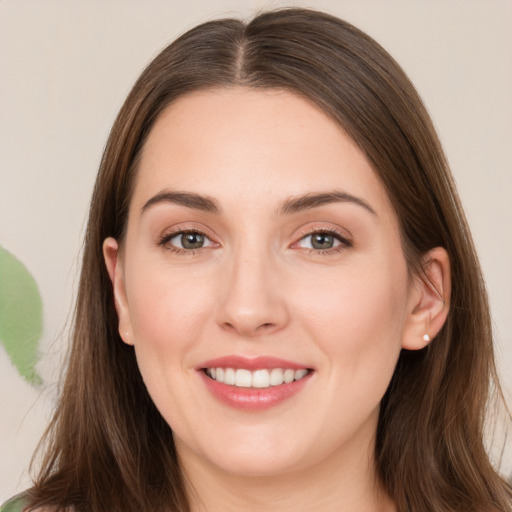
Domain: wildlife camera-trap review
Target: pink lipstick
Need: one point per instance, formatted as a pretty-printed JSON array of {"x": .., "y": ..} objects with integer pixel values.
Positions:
[{"x": 253, "y": 383}]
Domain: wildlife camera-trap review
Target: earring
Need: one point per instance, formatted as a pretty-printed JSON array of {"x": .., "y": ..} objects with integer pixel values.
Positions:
[{"x": 426, "y": 338}]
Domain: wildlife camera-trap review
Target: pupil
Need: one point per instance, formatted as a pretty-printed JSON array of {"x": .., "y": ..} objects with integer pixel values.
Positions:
[
  {"x": 192, "y": 240},
  {"x": 322, "y": 241}
]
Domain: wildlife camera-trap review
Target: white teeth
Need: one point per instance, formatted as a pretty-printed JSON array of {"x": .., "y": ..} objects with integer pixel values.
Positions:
[
  {"x": 276, "y": 377},
  {"x": 229, "y": 376},
  {"x": 300, "y": 373},
  {"x": 243, "y": 378},
  {"x": 289, "y": 375},
  {"x": 261, "y": 379}
]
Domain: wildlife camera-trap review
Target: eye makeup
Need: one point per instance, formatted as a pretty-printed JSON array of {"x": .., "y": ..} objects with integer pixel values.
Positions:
[{"x": 323, "y": 241}]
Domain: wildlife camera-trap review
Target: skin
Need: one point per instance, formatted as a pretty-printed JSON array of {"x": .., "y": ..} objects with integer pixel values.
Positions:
[{"x": 257, "y": 288}]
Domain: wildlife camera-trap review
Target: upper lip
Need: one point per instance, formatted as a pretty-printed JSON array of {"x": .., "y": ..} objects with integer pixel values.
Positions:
[{"x": 251, "y": 363}]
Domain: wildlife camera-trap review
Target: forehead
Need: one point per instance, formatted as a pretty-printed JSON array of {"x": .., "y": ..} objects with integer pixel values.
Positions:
[{"x": 238, "y": 144}]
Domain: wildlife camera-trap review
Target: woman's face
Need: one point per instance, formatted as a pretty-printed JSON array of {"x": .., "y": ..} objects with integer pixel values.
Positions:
[{"x": 262, "y": 249}]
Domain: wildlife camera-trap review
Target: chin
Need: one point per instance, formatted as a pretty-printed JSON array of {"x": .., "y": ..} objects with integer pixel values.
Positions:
[
  {"x": 254, "y": 455},
  {"x": 251, "y": 465}
]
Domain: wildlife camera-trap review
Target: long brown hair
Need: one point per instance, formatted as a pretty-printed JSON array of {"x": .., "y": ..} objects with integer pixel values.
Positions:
[{"x": 108, "y": 448}]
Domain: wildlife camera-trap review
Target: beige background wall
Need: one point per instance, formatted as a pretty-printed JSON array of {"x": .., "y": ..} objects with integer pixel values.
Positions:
[{"x": 65, "y": 68}]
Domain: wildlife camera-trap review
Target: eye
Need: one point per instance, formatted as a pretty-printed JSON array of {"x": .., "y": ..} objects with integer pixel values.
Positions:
[
  {"x": 187, "y": 240},
  {"x": 323, "y": 241}
]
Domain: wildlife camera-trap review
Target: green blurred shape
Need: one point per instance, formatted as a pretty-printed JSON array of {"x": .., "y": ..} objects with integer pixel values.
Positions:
[
  {"x": 16, "y": 504},
  {"x": 21, "y": 316}
]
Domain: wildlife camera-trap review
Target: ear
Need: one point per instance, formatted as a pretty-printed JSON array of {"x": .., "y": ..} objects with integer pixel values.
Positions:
[
  {"x": 429, "y": 300},
  {"x": 114, "y": 264}
]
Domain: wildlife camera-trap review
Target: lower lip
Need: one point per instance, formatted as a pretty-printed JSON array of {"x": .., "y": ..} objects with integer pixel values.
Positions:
[{"x": 253, "y": 399}]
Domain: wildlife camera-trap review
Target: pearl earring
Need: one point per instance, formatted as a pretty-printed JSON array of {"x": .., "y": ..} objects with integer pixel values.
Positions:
[{"x": 426, "y": 338}]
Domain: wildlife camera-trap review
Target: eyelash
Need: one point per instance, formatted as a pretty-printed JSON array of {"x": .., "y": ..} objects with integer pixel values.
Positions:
[
  {"x": 344, "y": 242},
  {"x": 165, "y": 239}
]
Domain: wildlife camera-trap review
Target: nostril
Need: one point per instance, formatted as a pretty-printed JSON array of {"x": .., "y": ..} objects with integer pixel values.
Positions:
[
  {"x": 267, "y": 326},
  {"x": 248, "y": 330}
]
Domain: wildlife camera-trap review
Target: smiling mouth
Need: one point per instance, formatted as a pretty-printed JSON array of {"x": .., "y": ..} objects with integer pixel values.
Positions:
[{"x": 258, "y": 379}]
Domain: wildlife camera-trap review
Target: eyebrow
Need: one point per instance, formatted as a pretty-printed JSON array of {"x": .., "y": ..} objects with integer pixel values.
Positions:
[
  {"x": 314, "y": 200},
  {"x": 188, "y": 199},
  {"x": 289, "y": 206}
]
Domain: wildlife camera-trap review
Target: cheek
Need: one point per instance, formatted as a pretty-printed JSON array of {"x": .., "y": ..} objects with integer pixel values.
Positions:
[
  {"x": 167, "y": 313},
  {"x": 167, "y": 309},
  {"x": 357, "y": 318}
]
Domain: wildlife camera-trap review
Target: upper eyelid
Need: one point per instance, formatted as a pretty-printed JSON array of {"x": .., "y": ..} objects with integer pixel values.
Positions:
[
  {"x": 174, "y": 234},
  {"x": 306, "y": 231},
  {"x": 169, "y": 235},
  {"x": 187, "y": 227}
]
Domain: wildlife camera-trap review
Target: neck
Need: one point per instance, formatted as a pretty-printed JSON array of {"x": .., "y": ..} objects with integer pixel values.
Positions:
[{"x": 339, "y": 484}]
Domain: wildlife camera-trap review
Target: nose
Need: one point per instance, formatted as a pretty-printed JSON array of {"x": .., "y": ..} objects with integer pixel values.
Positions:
[{"x": 252, "y": 302}]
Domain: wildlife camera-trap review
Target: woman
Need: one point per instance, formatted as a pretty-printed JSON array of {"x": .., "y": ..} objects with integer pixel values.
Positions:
[{"x": 280, "y": 304}]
